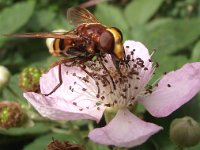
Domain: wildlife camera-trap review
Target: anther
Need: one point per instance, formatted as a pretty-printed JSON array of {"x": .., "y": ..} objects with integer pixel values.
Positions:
[
  {"x": 84, "y": 89},
  {"x": 156, "y": 64},
  {"x": 124, "y": 90},
  {"x": 129, "y": 85},
  {"x": 132, "y": 53},
  {"x": 128, "y": 57},
  {"x": 106, "y": 61},
  {"x": 169, "y": 85},
  {"x": 134, "y": 66},
  {"x": 97, "y": 96},
  {"x": 107, "y": 105},
  {"x": 132, "y": 98},
  {"x": 154, "y": 50},
  {"x": 102, "y": 97}
]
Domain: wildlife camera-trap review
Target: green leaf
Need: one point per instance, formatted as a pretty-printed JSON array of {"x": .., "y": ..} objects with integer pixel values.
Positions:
[
  {"x": 14, "y": 17},
  {"x": 197, "y": 147},
  {"x": 196, "y": 52},
  {"x": 42, "y": 142},
  {"x": 197, "y": 111},
  {"x": 93, "y": 146},
  {"x": 60, "y": 22},
  {"x": 42, "y": 19},
  {"x": 167, "y": 35},
  {"x": 163, "y": 142},
  {"x": 192, "y": 108},
  {"x": 13, "y": 85},
  {"x": 114, "y": 18},
  {"x": 37, "y": 129},
  {"x": 111, "y": 16},
  {"x": 140, "y": 11}
]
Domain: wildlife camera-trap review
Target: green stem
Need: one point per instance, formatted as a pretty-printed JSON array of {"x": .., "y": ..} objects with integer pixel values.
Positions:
[
  {"x": 90, "y": 126},
  {"x": 57, "y": 130}
]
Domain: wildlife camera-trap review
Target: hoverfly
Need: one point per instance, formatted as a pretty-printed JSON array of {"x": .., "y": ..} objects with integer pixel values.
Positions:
[{"x": 89, "y": 38}]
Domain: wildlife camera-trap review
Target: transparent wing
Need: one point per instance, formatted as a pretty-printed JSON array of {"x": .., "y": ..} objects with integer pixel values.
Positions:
[
  {"x": 78, "y": 15},
  {"x": 58, "y": 35}
]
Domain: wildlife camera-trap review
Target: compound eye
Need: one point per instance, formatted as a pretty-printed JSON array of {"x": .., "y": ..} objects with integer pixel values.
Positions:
[{"x": 106, "y": 41}]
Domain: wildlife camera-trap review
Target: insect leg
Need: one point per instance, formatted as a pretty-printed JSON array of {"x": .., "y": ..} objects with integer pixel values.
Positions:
[
  {"x": 64, "y": 61},
  {"x": 60, "y": 81}
]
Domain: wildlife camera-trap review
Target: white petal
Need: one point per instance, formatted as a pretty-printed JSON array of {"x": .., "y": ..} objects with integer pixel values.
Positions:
[
  {"x": 174, "y": 89},
  {"x": 60, "y": 109},
  {"x": 77, "y": 86}
]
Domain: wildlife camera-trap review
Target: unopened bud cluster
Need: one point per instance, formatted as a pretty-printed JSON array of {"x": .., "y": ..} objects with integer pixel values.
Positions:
[
  {"x": 11, "y": 114},
  {"x": 185, "y": 132},
  {"x": 29, "y": 79},
  {"x": 4, "y": 77}
]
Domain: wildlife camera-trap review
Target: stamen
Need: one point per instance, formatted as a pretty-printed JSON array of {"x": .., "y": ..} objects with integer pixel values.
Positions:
[
  {"x": 100, "y": 60},
  {"x": 112, "y": 88},
  {"x": 154, "y": 50}
]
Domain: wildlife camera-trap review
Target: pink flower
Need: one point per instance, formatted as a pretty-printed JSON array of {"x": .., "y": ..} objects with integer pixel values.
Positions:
[{"x": 86, "y": 92}]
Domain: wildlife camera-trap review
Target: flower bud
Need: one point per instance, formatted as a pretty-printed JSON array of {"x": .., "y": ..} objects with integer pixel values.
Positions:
[
  {"x": 11, "y": 114},
  {"x": 4, "y": 76},
  {"x": 29, "y": 79},
  {"x": 185, "y": 132},
  {"x": 55, "y": 145}
]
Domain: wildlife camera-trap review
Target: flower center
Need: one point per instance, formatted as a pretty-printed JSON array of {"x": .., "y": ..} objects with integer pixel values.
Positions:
[
  {"x": 115, "y": 88},
  {"x": 129, "y": 82}
]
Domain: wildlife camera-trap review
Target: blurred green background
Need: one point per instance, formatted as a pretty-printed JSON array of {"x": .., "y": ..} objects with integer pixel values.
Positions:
[{"x": 172, "y": 27}]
